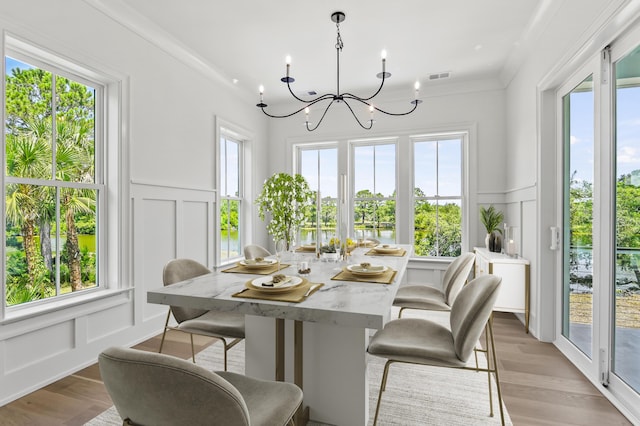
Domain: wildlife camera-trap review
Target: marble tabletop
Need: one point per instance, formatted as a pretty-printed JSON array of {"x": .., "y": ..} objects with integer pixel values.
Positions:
[{"x": 345, "y": 303}]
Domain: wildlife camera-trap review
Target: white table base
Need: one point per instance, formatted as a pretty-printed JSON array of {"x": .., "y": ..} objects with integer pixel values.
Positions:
[{"x": 335, "y": 381}]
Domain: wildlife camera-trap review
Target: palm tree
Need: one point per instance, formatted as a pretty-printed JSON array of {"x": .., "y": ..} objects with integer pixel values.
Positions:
[
  {"x": 74, "y": 162},
  {"x": 27, "y": 157}
]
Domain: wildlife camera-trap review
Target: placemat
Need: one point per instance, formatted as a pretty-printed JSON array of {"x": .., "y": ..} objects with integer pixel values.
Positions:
[
  {"x": 294, "y": 296},
  {"x": 399, "y": 253},
  {"x": 306, "y": 249},
  {"x": 384, "y": 278},
  {"x": 239, "y": 269}
]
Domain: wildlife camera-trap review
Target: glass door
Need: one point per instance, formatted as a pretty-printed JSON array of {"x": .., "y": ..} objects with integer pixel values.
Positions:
[
  {"x": 600, "y": 288},
  {"x": 578, "y": 140},
  {"x": 625, "y": 362}
]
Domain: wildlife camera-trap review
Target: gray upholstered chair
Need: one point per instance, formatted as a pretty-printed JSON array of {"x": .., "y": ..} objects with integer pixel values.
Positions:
[
  {"x": 430, "y": 298},
  {"x": 222, "y": 325},
  {"x": 156, "y": 389},
  {"x": 420, "y": 341},
  {"x": 253, "y": 250}
]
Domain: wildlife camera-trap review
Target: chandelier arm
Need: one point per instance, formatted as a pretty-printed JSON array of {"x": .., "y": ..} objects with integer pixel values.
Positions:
[
  {"x": 322, "y": 98},
  {"x": 356, "y": 117},
  {"x": 282, "y": 116},
  {"x": 321, "y": 118},
  {"x": 358, "y": 98},
  {"x": 319, "y": 98},
  {"x": 396, "y": 114}
]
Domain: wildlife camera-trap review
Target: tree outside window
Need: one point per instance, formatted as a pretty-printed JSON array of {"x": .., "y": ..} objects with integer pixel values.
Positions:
[
  {"x": 438, "y": 197},
  {"x": 51, "y": 191}
]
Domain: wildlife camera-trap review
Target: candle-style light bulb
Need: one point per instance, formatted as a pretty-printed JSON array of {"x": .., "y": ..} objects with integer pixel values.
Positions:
[
  {"x": 261, "y": 90},
  {"x": 287, "y": 60},
  {"x": 383, "y": 54},
  {"x": 306, "y": 111},
  {"x": 371, "y": 109},
  {"x": 417, "y": 88}
]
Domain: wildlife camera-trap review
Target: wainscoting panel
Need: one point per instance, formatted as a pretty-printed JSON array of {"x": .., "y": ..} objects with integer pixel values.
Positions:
[
  {"x": 32, "y": 348},
  {"x": 168, "y": 222},
  {"x": 108, "y": 322}
]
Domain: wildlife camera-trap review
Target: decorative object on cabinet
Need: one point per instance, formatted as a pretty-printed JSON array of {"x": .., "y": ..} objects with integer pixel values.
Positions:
[
  {"x": 491, "y": 219},
  {"x": 514, "y": 292}
]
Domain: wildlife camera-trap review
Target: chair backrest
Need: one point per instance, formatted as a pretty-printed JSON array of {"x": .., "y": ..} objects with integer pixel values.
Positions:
[
  {"x": 456, "y": 275},
  {"x": 253, "y": 250},
  {"x": 471, "y": 311},
  {"x": 179, "y": 270},
  {"x": 156, "y": 389}
]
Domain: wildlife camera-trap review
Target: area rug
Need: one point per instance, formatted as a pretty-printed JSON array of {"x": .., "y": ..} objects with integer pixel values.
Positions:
[{"x": 415, "y": 395}]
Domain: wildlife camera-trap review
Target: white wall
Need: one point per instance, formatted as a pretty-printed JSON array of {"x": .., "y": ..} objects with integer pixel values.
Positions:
[{"x": 171, "y": 114}]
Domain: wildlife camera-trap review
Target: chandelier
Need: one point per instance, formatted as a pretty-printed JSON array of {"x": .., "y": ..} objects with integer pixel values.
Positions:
[{"x": 338, "y": 97}]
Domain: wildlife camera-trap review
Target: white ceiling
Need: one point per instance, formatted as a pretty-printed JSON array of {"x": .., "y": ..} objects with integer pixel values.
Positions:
[{"x": 248, "y": 40}]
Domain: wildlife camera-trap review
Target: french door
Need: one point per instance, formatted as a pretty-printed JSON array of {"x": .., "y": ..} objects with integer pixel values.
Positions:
[{"x": 599, "y": 327}]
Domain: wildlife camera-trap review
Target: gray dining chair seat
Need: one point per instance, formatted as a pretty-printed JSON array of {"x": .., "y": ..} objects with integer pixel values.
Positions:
[
  {"x": 215, "y": 324},
  {"x": 219, "y": 324},
  {"x": 417, "y": 341},
  {"x": 433, "y": 298},
  {"x": 148, "y": 388},
  {"x": 422, "y": 297},
  {"x": 421, "y": 341},
  {"x": 253, "y": 250}
]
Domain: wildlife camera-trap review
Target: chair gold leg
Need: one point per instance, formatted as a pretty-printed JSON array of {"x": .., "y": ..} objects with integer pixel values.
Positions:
[
  {"x": 383, "y": 385},
  {"x": 164, "y": 333},
  {"x": 486, "y": 345},
  {"x": 400, "y": 313},
  {"x": 495, "y": 367},
  {"x": 193, "y": 350},
  {"x": 224, "y": 344}
]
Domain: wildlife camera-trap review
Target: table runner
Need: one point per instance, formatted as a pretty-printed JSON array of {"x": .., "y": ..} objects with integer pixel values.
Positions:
[
  {"x": 239, "y": 269},
  {"x": 294, "y": 296},
  {"x": 386, "y": 277}
]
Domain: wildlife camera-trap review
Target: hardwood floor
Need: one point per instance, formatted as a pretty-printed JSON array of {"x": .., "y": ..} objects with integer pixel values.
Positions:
[{"x": 540, "y": 386}]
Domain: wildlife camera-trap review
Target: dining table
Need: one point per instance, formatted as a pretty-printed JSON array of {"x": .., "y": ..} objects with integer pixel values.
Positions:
[{"x": 319, "y": 341}]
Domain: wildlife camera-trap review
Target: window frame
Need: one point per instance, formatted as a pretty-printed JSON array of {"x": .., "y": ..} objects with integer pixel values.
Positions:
[
  {"x": 319, "y": 146},
  {"x": 437, "y": 137},
  {"x": 229, "y": 136},
  {"x": 358, "y": 143},
  {"x": 111, "y": 139}
]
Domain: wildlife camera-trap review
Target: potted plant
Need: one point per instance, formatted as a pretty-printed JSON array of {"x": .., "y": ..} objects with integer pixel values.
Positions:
[
  {"x": 287, "y": 199},
  {"x": 491, "y": 219}
]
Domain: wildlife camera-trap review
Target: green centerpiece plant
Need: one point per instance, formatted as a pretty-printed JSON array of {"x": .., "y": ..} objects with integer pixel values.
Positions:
[{"x": 287, "y": 199}]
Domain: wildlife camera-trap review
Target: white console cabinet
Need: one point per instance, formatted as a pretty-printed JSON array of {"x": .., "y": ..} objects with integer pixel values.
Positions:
[{"x": 514, "y": 291}]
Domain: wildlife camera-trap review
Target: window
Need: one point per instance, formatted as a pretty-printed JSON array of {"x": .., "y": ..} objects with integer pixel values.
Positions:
[
  {"x": 437, "y": 195},
  {"x": 319, "y": 166},
  {"x": 230, "y": 198},
  {"x": 374, "y": 183},
  {"x": 53, "y": 181}
]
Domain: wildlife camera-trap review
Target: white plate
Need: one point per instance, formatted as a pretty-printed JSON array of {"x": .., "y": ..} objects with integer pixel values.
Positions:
[
  {"x": 251, "y": 263},
  {"x": 372, "y": 270},
  {"x": 386, "y": 248},
  {"x": 258, "y": 284}
]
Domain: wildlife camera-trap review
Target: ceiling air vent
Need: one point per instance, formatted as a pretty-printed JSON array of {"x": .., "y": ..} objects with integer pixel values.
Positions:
[{"x": 440, "y": 75}]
